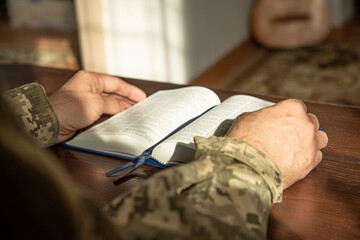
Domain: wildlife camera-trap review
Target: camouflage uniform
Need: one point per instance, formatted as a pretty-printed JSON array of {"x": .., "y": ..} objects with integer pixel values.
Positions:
[
  {"x": 226, "y": 192},
  {"x": 34, "y": 113}
]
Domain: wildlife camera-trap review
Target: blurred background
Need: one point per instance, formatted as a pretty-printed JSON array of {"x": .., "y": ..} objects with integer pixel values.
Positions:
[{"x": 307, "y": 49}]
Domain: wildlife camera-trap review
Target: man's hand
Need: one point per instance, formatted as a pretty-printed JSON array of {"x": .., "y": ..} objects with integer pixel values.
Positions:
[
  {"x": 86, "y": 96},
  {"x": 287, "y": 134}
]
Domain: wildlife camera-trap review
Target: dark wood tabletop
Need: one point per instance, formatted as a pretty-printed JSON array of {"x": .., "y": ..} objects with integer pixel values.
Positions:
[{"x": 324, "y": 205}]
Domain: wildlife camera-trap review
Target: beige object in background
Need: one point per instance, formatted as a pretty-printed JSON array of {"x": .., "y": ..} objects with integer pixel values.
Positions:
[{"x": 290, "y": 24}]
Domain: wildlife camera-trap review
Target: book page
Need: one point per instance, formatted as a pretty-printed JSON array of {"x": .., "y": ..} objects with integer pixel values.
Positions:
[
  {"x": 144, "y": 124},
  {"x": 215, "y": 122}
]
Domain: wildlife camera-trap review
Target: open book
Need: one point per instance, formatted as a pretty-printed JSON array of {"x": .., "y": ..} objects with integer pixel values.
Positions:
[{"x": 129, "y": 133}]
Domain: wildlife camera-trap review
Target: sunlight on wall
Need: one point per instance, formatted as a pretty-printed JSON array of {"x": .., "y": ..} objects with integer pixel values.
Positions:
[{"x": 145, "y": 39}]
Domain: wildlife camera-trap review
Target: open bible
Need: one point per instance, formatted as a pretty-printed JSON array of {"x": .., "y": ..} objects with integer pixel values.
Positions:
[{"x": 166, "y": 123}]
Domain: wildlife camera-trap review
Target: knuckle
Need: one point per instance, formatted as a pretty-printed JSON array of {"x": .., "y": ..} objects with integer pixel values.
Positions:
[
  {"x": 310, "y": 126},
  {"x": 295, "y": 106},
  {"x": 242, "y": 116},
  {"x": 83, "y": 73}
]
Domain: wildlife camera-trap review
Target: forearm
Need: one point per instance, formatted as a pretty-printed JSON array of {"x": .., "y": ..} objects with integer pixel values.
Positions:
[
  {"x": 226, "y": 193},
  {"x": 34, "y": 113}
]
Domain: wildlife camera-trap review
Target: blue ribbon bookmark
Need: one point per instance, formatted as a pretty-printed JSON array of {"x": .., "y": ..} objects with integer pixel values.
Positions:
[
  {"x": 140, "y": 160},
  {"x": 136, "y": 162}
]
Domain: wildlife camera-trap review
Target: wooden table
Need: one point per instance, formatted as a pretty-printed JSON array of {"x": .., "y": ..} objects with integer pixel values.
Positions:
[{"x": 324, "y": 205}]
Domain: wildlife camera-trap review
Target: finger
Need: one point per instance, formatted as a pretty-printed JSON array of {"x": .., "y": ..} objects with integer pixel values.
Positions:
[
  {"x": 315, "y": 120},
  {"x": 318, "y": 158},
  {"x": 292, "y": 106},
  {"x": 321, "y": 139},
  {"x": 125, "y": 101},
  {"x": 112, "y": 105},
  {"x": 122, "y": 88}
]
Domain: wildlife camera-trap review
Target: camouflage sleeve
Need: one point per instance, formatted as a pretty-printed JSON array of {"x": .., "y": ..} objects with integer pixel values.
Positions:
[
  {"x": 225, "y": 193},
  {"x": 34, "y": 112}
]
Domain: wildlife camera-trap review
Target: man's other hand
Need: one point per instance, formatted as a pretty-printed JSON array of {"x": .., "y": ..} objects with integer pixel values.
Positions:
[
  {"x": 86, "y": 96},
  {"x": 287, "y": 134}
]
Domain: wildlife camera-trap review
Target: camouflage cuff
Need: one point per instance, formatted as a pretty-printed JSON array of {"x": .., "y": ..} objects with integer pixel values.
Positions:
[
  {"x": 33, "y": 110},
  {"x": 243, "y": 152}
]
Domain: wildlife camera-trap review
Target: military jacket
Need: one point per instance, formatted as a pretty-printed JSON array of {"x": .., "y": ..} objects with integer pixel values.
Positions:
[{"x": 226, "y": 192}]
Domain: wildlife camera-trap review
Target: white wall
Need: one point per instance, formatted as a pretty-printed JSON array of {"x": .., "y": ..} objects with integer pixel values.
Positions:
[
  {"x": 171, "y": 40},
  {"x": 213, "y": 28}
]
